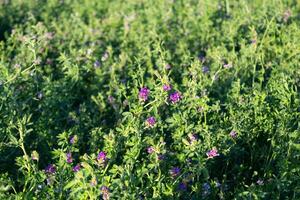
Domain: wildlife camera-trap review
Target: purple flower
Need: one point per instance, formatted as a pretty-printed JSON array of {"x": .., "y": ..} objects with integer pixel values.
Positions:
[
  {"x": 105, "y": 192},
  {"x": 50, "y": 169},
  {"x": 260, "y": 182},
  {"x": 233, "y": 134},
  {"x": 201, "y": 57},
  {"x": 150, "y": 150},
  {"x": 69, "y": 157},
  {"x": 76, "y": 168},
  {"x": 101, "y": 157},
  {"x": 73, "y": 139},
  {"x": 227, "y": 66},
  {"x": 175, "y": 171},
  {"x": 151, "y": 121},
  {"x": 212, "y": 153},
  {"x": 205, "y": 69},
  {"x": 97, "y": 64},
  {"x": 193, "y": 138},
  {"x": 167, "y": 87},
  {"x": 182, "y": 186},
  {"x": 144, "y": 93},
  {"x": 167, "y": 66},
  {"x": 175, "y": 97}
]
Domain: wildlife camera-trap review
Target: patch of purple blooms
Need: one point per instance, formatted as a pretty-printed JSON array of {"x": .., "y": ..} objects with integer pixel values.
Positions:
[
  {"x": 105, "y": 192},
  {"x": 193, "y": 138},
  {"x": 73, "y": 139},
  {"x": 212, "y": 153},
  {"x": 175, "y": 97},
  {"x": 233, "y": 134},
  {"x": 102, "y": 158},
  {"x": 205, "y": 69},
  {"x": 167, "y": 87},
  {"x": 182, "y": 186},
  {"x": 151, "y": 121},
  {"x": 144, "y": 93},
  {"x": 97, "y": 64},
  {"x": 69, "y": 157},
  {"x": 175, "y": 171},
  {"x": 50, "y": 169},
  {"x": 150, "y": 150},
  {"x": 76, "y": 168}
]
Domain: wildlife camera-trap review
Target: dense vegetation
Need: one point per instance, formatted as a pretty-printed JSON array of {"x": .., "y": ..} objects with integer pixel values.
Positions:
[{"x": 149, "y": 99}]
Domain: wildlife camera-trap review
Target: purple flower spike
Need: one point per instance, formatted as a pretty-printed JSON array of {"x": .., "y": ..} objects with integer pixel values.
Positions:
[
  {"x": 182, "y": 186},
  {"x": 50, "y": 169},
  {"x": 102, "y": 157},
  {"x": 193, "y": 138},
  {"x": 167, "y": 87},
  {"x": 105, "y": 192},
  {"x": 144, "y": 93},
  {"x": 150, "y": 150},
  {"x": 205, "y": 69},
  {"x": 73, "y": 139},
  {"x": 175, "y": 97},
  {"x": 233, "y": 134},
  {"x": 76, "y": 168},
  {"x": 212, "y": 153},
  {"x": 175, "y": 171},
  {"x": 97, "y": 64},
  {"x": 151, "y": 121},
  {"x": 69, "y": 158}
]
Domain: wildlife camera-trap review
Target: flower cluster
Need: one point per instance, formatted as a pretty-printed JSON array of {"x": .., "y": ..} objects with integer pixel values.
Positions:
[
  {"x": 175, "y": 97},
  {"x": 144, "y": 93},
  {"x": 50, "y": 169},
  {"x": 69, "y": 158},
  {"x": 151, "y": 121},
  {"x": 175, "y": 171},
  {"x": 212, "y": 153}
]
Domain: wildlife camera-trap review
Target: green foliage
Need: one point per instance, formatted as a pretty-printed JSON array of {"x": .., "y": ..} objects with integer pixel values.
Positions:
[{"x": 73, "y": 123}]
